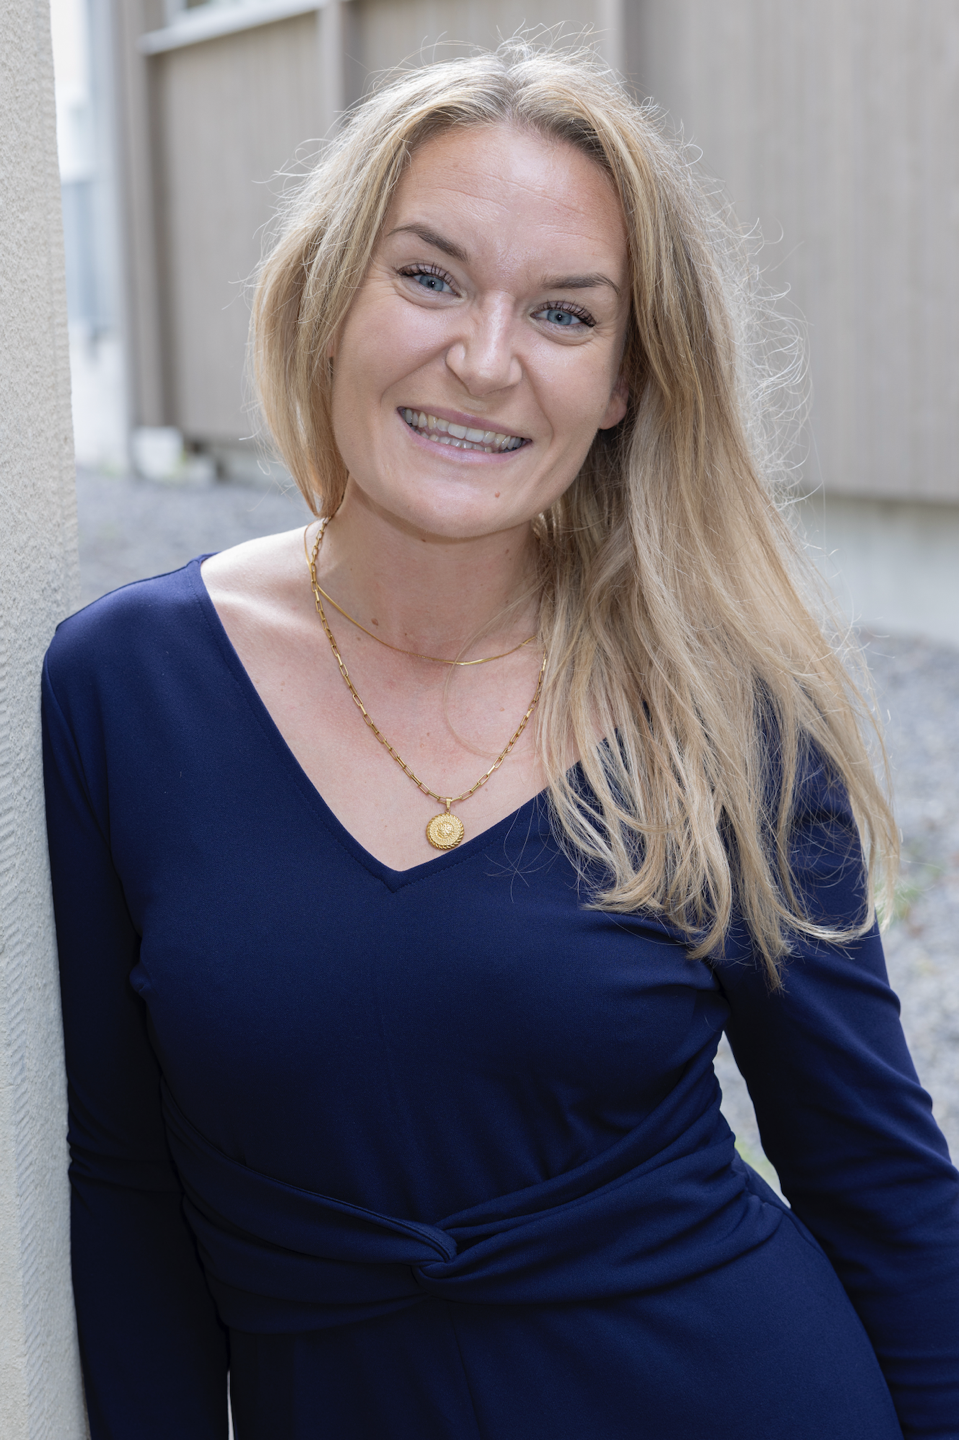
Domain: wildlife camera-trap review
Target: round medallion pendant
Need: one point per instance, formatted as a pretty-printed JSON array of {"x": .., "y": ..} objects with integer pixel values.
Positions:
[{"x": 444, "y": 832}]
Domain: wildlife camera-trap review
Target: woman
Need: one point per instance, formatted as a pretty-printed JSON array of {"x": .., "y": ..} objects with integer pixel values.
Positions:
[{"x": 408, "y": 870}]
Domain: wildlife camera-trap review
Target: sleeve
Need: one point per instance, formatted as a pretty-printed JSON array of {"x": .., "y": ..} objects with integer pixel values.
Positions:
[
  {"x": 153, "y": 1351},
  {"x": 849, "y": 1128}
]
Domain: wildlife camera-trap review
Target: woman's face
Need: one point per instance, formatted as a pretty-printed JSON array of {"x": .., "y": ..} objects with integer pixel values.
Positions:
[{"x": 482, "y": 351}]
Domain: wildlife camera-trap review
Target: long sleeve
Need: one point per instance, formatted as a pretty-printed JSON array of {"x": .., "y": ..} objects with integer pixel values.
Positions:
[
  {"x": 154, "y": 1354},
  {"x": 849, "y": 1128}
]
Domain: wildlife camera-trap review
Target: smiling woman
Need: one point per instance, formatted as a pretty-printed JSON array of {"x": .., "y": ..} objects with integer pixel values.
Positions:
[
  {"x": 476, "y": 294},
  {"x": 408, "y": 1117}
]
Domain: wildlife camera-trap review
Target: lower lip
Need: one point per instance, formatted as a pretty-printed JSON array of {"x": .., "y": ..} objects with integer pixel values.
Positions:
[{"x": 451, "y": 452}]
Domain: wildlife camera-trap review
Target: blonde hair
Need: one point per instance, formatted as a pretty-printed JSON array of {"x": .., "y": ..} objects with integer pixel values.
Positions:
[{"x": 672, "y": 607}]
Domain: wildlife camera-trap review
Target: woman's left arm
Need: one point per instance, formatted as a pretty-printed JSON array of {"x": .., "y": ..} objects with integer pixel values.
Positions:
[{"x": 848, "y": 1126}]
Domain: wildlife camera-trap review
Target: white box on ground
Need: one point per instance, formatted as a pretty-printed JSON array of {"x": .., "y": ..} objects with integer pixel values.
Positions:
[{"x": 157, "y": 452}]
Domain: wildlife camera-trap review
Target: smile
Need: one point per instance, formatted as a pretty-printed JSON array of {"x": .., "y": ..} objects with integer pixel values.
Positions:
[{"x": 444, "y": 432}]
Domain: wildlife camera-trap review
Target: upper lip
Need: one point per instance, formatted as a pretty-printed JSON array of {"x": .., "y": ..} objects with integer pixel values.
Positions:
[{"x": 459, "y": 417}]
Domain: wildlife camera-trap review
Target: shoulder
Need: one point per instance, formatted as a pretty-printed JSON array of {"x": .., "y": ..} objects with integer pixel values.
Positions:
[
  {"x": 179, "y": 606},
  {"x": 115, "y": 668},
  {"x": 134, "y": 619},
  {"x": 258, "y": 575},
  {"x": 823, "y": 824},
  {"x": 816, "y": 797}
]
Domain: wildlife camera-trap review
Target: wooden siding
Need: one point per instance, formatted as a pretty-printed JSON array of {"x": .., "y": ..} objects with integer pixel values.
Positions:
[
  {"x": 136, "y": 154},
  {"x": 835, "y": 124},
  {"x": 230, "y": 113},
  {"x": 832, "y": 125},
  {"x": 392, "y": 31}
]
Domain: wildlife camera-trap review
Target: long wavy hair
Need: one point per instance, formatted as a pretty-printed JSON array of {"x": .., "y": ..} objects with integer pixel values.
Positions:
[{"x": 675, "y": 603}]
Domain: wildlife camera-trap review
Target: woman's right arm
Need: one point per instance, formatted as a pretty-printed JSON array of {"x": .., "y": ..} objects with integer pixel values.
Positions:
[{"x": 154, "y": 1353}]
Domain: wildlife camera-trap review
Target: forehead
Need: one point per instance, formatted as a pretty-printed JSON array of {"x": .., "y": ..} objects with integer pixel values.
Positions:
[{"x": 505, "y": 193}]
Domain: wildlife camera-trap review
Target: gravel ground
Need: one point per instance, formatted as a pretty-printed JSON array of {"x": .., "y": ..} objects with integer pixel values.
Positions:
[{"x": 131, "y": 528}]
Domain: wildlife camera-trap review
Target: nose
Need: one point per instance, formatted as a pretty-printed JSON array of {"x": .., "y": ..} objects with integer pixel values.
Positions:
[{"x": 483, "y": 358}]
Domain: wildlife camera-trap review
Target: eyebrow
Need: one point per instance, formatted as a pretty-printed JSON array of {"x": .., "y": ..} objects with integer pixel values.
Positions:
[
  {"x": 580, "y": 282},
  {"x": 456, "y": 252}
]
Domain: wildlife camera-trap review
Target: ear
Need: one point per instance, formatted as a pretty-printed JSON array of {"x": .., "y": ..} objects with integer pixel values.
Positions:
[{"x": 618, "y": 405}]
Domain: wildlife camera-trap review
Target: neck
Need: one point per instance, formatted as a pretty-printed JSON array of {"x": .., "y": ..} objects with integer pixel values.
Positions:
[{"x": 428, "y": 592}]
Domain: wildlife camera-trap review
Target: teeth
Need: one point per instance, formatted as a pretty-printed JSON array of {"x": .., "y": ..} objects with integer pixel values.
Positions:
[{"x": 445, "y": 432}]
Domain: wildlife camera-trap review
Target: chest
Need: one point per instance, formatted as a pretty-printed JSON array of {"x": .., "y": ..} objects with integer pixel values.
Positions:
[
  {"x": 379, "y": 732},
  {"x": 326, "y": 1017},
  {"x": 276, "y": 946}
]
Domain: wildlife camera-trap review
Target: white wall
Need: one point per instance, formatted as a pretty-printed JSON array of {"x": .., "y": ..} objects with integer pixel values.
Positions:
[
  {"x": 85, "y": 143},
  {"x": 893, "y": 565},
  {"x": 40, "y": 1395}
]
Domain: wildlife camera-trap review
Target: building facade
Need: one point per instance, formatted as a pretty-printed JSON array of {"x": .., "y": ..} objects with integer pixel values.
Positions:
[{"x": 830, "y": 127}]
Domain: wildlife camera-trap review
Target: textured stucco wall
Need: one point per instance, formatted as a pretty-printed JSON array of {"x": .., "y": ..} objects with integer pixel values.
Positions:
[{"x": 40, "y": 1395}]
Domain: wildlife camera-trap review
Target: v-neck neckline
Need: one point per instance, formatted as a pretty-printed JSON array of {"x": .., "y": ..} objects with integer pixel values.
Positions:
[{"x": 393, "y": 879}]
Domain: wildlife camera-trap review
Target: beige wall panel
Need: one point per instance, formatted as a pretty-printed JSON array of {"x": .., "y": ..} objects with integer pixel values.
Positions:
[
  {"x": 232, "y": 112},
  {"x": 392, "y": 31},
  {"x": 136, "y": 161},
  {"x": 834, "y": 124}
]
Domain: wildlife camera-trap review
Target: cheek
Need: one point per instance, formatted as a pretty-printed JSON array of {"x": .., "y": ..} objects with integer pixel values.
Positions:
[
  {"x": 382, "y": 344},
  {"x": 364, "y": 364},
  {"x": 574, "y": 391}
]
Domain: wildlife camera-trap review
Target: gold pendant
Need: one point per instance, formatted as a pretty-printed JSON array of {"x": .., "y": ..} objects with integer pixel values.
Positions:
[{"x": 444, "y": 832}]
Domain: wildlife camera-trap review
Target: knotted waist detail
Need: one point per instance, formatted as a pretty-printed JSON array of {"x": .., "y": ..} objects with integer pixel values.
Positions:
[{"x": 668, "y": 1201}]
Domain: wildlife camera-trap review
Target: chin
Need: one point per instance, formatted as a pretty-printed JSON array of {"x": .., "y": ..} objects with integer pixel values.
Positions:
[
  {"x": 453, "y": 524},
  {"x": 450, "y": 511}
]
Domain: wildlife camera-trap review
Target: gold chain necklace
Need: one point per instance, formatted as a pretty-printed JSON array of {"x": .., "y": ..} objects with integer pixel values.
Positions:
[
  {"x": 398, "y": 648},
  {"x": 444, "y": 831}
]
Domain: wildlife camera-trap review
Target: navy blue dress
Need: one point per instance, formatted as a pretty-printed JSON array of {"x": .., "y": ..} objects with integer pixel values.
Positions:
[{"x": 437, "y": 1154}]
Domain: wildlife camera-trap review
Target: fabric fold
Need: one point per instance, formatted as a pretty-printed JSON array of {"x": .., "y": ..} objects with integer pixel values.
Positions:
[{"x": 669, "y": 1201}]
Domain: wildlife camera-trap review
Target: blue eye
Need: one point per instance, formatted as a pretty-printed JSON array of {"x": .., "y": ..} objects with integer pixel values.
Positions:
[
  {"x": 430, "y": 280},
  {"x": 564, "y": 319}
]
